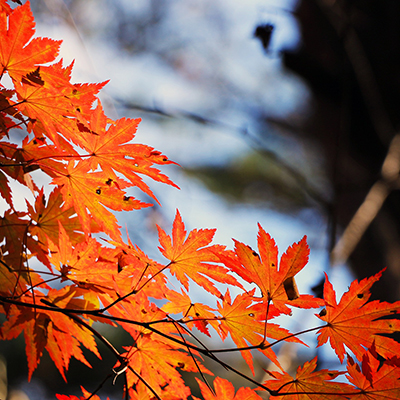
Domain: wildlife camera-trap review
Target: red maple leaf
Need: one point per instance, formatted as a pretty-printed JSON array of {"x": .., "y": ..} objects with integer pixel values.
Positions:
[
  {"x": 376, "y": 380},
  {"x": 276, "y": 284},
  {"x": 355, "y": 323}
]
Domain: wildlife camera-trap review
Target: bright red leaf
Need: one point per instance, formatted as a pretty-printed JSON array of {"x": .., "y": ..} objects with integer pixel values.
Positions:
[{"x": 355, "y": 323}]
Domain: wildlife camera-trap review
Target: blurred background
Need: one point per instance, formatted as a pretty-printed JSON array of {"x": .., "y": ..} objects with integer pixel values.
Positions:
[{"x": 280, "y": 112}]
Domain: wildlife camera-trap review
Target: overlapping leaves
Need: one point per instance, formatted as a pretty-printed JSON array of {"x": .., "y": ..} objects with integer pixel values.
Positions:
[{"x": 93, "y": 162}]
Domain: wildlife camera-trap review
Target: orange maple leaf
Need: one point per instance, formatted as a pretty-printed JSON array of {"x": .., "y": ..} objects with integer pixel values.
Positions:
[
  {"x": 51, "y": 330},
  {"x": 224, "y": 390},
  {"x": 275, "y": 284},
  {"x": 355, "y": 324},
  {"x": 49, "y": 108},
  {"x": 19, "y": 53},
  {"x": 157, "y": 364},
  {"x": 192, "y": 256},
  {"x": 375, "y": 380},
  {"x": 90, "y": 192},
  {"x": 108, "y": 144},
  {"x": 245, "y": 322},
  {"x": 46, "y": 217},
  {"x": 308, "y": 384},
  {"x": 200, "y": 314}
]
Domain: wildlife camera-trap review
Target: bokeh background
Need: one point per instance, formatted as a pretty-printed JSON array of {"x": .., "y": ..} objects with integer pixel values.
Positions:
[{"x": 280, "y": 112}]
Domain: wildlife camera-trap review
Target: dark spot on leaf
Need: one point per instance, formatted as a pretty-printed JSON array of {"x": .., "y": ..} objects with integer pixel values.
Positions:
[
  {"x": 82, "y": 128},
  {"x": 291, "y": 288},
  {"x": 33, "y": 77},
  {"x": 144, "y": 311},
  {"x": 35, "y": 141},
  {"x": 360, "y": 295},
  {"x": 98, "y": 191},
  {"x": 272, "y": 264},
  {"x": 109, "y": 182},
  {"x": 165, "y": 159},
  {"x": 78, "y": 109},
  {"x": 322, "y": 313},
  {"x": 255, "y": 254},
  {"x": 127, "y": 198},
  {"x": 40, "y": 215},
  {"x": 181, "y": 365},
  {"x": 74, "y": 91},
  {"x": 197, "y": 314}
]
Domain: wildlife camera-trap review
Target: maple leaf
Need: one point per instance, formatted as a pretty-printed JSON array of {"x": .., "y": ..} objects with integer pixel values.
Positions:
[
  {"x": 93, "y": 192},
  {"x": 13, "y": 164},
  {"x": 4, "y": 7},
  {"x": 54, "y": 104},
  {"x": 38, "y": 153},
  {"x": 51, "y": 330},
  {"x": 157, "y": 364},
  {"x": 224, "y": 390},
  {"x": 7, "y": 123},
  {"x": 109, "y": 149},
  {"x": 375, "y": 380},
  {"x": 85, "y": 396},
  {"x": 19, "y": 53},
  {"x": 308, "y": 384},
  {"x": 48, "y": 215},
  {"x": 199, "y": 313},
  {"x": 81, "y": 265},
  {"x": 244, "y": 322},
  {"x": 146, "y": 274},
  {"x": 275, "y": 284},
  {"x": 191, "y": 256},
  {"x": 5, "y": 189},
  {"x": 50, "y": 110},
  {"x": 14, "y": 230},
  {"x": 354, "y": 322}
]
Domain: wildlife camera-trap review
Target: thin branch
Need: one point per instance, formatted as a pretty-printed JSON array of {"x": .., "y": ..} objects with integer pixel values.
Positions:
[
  {"x": 257, "y": 144},
  {"x": 371, "y": 205}
]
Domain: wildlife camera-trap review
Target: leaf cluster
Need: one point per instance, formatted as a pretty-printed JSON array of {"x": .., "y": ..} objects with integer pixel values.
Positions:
[{"x": 93, "y": 163}]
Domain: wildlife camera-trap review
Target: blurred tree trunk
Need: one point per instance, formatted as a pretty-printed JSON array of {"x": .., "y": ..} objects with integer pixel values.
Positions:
[{"x": 350, "y": 57}]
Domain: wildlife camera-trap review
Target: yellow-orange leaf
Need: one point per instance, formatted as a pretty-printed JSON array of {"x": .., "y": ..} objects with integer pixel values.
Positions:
[{"x": 308, "y": 384}]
